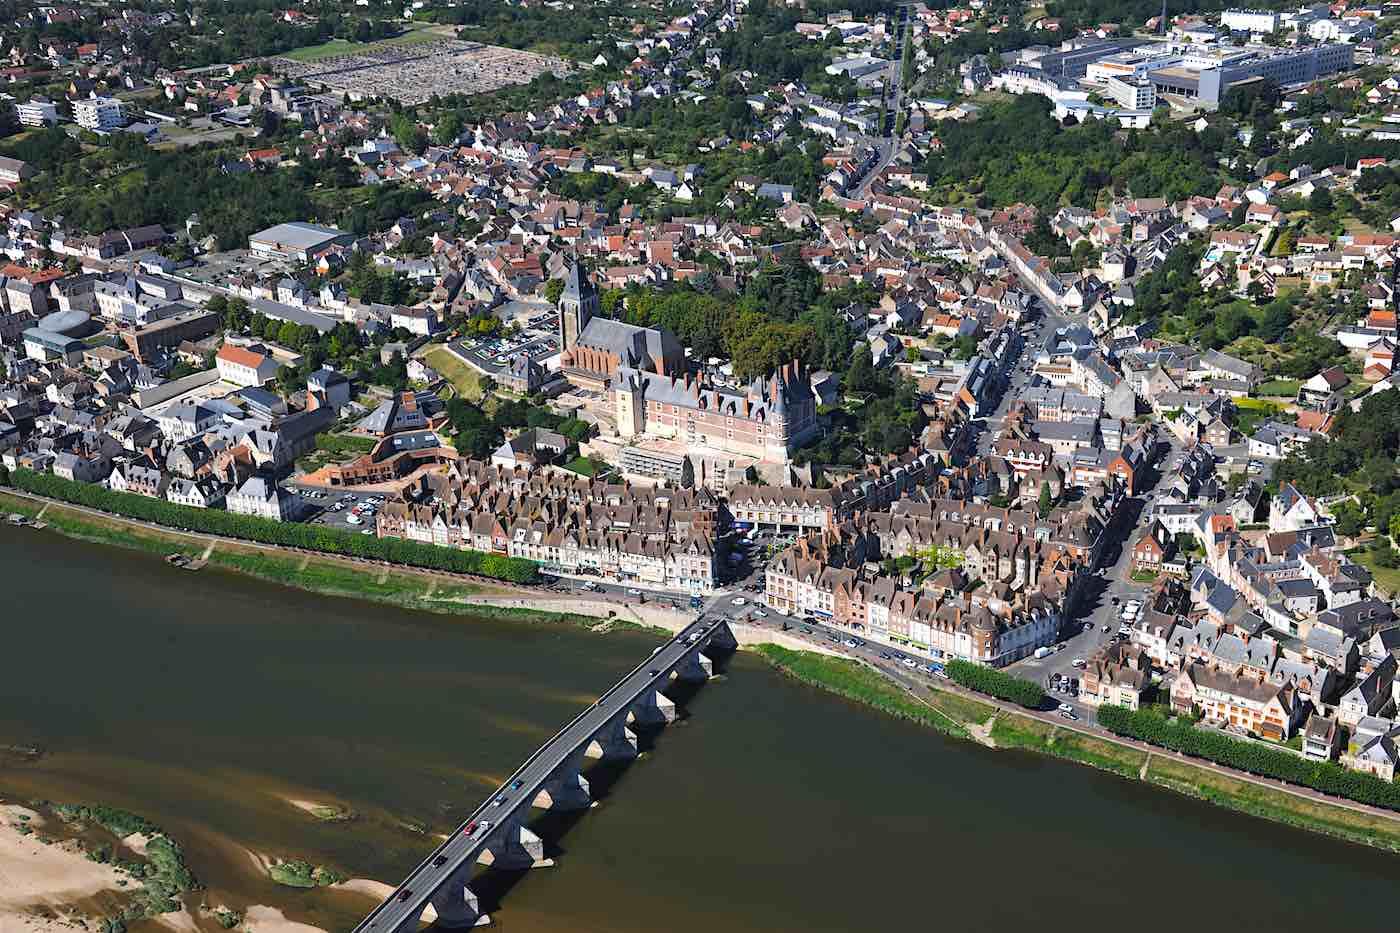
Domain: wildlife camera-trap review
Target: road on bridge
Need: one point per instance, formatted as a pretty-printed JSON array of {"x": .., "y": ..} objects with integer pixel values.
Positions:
[{"x": 512, "y": 802}]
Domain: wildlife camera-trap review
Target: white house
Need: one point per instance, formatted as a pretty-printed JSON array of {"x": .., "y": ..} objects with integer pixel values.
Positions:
[
  {"x": 243, "y": 366},
  {"x": 421, "y": 321},
  {"x": 199, "y": 494},
  {"x": 262, "y": 497}
]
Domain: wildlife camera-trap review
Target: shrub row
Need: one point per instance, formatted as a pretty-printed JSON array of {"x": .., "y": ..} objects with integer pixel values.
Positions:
[
  {"x": 1253, "y": 757},
  {"x": 285, "y": 534},
  {"x": 993, "y": 682}
]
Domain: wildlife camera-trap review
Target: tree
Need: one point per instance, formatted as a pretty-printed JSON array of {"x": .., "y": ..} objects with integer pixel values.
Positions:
[
  {"x": 407, "y": 133},
  {"x": 447, "y": 128},
  {"x": 860, "y": 377},
  {"x": 1083, "y": 254},
  {"x": 1046, "y": 500},
  {"x": 1350, "y": 519},
  {"x": 552, "y": 290}
]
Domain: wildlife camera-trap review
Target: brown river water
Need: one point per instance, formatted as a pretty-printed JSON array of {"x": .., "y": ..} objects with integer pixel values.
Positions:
[{"x": 206, "y": 702}]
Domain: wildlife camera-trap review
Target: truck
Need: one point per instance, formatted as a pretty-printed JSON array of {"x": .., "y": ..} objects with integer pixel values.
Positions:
[{"x": 1044, "y": 652}]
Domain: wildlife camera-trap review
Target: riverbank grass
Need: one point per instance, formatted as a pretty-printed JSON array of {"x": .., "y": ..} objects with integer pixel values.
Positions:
[
  {"x": 99, "y": 530},
  {"x": 859, "y": 683},
  {"x": 319, "y": 574},
  {"x": 960, "y": 708},
  {"x": 1258, "y": 800},
  {"x": 1012, "y": 731}
]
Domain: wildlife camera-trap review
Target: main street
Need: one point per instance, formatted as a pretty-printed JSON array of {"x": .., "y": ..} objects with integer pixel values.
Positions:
[{"x": 888, "y": 143}]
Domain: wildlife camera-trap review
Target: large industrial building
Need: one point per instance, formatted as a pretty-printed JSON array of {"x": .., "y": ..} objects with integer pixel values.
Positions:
[
  {"x": 1139, "y": 73},
  {"x": 299, "y": 241},
  {"x": 1206, "y": 74}
]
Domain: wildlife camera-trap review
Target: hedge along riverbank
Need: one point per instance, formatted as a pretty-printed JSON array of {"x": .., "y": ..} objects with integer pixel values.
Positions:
[
  {"x": 1252, "y": 757},
  {"x": 283, "y": 534},
  {"x": 993, "y": 682}
]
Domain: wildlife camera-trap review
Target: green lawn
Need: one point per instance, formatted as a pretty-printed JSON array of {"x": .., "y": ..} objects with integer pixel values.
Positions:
[
  {"x": 1279, "y": 388},
  {"x": 1387, "y": 578},
  {"x": 344, "y": 445},
  {"x": 464, "y": 379},
  {"x": 586, "y": 466},
  {"x": 311, "y": 53}
]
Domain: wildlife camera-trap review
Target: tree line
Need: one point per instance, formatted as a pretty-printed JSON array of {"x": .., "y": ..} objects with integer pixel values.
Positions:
[
  {"x": 1179, "y": 735},
  {"x": 283, "y": 534},
  {"x": 996, "y": 683}
]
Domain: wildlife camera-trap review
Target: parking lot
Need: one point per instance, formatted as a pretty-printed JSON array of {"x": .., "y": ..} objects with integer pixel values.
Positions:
[
  {"x": 347, "y": 511},
  {"x": 491, "y": 354}
]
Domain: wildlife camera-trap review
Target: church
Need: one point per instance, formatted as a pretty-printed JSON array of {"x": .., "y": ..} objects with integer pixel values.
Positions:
[
  {"x": 653, "y": 393},
  {"x": 593, "y": 348}
]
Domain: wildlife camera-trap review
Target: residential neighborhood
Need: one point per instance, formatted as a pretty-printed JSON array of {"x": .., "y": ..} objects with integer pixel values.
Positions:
[{"x": 996, "y": 349}]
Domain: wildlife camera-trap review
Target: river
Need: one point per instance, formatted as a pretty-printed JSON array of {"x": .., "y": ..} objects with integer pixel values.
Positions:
[{"x": 206, "y": 701}]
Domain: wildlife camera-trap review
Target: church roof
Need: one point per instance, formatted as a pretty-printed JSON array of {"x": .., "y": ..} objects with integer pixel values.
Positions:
[{"x": 639, "y": 347}]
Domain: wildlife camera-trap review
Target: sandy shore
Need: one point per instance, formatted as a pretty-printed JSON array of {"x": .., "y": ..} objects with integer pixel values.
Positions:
[
  {"x": 260, "y": 919},
  {"x": 34, "y": 875},
  {"x": 178, "y": 922},
  {"x": 137, "y": 843},
  {"x": 378, "y": 891},
  {"x": 325, "y": 811}
]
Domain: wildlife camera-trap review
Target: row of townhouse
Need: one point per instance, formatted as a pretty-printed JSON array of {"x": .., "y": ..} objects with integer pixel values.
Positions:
[
  {"x": 563, "y": 544},
  {"x": 802, "y": 509},
  {"x": 942, "y": 619}
]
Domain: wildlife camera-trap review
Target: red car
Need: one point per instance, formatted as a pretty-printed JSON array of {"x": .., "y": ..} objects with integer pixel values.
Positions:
[{"x": 471, "y": 828}]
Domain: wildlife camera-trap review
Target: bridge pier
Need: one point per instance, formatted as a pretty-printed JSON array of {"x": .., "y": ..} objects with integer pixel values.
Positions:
[
  {"x": 652, "y": 708},
  {"x": 723, "y": 640},
  {"x": 456, "y": 905},
  {"x": 613, "y": 742},
  {"x": 512, "y": 846},
  {"x": 696, "y": 668},
  {"x": 565, "y": 789}
]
